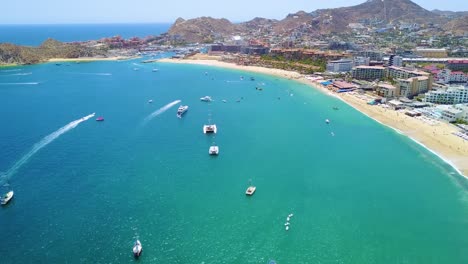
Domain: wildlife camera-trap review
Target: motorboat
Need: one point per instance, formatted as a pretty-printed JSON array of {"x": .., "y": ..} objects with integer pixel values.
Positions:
[
  {"x": 181, "y": 110},
  {"x": 250, "y": 190},
  {"x": 155, "y": 70},
  {"x": 136, "y": 69},
  {"x": 99, "y": 119},
  {"x": 206, "y": 99},
  {"x": 327, "y": 121},
  {"x": 214, "y": 150},
  {"x": 7, "y": 197},
  {"x": 150, "y": 101},
  {"x": 224, "y": 101},
  {"x": 210, "y": 129},
  {"x": 137, "y": 249}
]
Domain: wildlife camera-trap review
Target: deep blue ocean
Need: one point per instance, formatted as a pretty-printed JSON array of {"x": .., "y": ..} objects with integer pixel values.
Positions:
[{"x": 34, "y": 35}]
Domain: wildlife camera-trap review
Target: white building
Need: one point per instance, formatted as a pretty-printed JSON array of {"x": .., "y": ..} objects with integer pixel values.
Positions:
[
  {"x": 361, "y": 61},
  {"x": 342, "y": 65},
  {"x": 450, "y": 113},
  {"x": 451, "y": 95},
  {"x": 447, "y": 76}
]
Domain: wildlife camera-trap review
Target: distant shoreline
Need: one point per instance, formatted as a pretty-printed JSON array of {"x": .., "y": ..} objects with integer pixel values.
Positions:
[
  {"x": 90, "y": 59},
  {"x": 436, "y": 138}
]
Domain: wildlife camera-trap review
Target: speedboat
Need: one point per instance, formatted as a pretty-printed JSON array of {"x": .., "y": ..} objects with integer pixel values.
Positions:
[
  {"x": 327, "y": 121},
  {"x": 137, "y": 249},
  {"x": 181, "y": 110},
  {"x": 250, "y": 190},
  {"x": 7, "y": 197},
  {"x": 100, "y": 118},
  {"x": 210, "y": 129},
  {"x": 206, "y": 99},
  {"x": 214, "y": 150},
  {"x": 150, "y": 101}
]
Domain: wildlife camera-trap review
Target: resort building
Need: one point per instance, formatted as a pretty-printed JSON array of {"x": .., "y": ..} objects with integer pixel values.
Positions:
[
  {"x": 431, "y": 53},
  {"x": 343, "y": 65},
  {"x": 387, "y": 90},
  {"x": 447, "y": 76},
  {"x": 369, "y": 72},
  {"x": 457, "y": 65},
  {"x": 413, "y": 86},
  {"x": 372, "y": 55},
  {"x": 361, "y": 61},
  {"x": 405, "y": 73},
  {"x": 395, "y": 60},
  {"x": 450, "y": 113},
  {"x": 340, "y": 86},
  {"x": 451, "y": 95}
]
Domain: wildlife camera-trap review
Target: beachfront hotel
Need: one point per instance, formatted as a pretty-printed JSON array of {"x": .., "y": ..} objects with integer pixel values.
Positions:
[
  {"x": 451, "y": 95},
  {"x": 413, "y": 86},
  {"x": 368, "y": 72}
]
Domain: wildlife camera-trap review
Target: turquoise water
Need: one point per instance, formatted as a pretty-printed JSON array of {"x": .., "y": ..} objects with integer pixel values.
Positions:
[
  {"x": 365, "y": 195},
  {"x": 34, "y": 35}
]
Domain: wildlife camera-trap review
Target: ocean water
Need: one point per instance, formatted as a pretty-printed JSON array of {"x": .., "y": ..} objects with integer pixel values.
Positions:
[
  {"x": 85, "y": 190},
  {"x": 34, "y": 35}
]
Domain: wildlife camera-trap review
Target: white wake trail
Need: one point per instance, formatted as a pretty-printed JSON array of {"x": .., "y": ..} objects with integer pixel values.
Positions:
[
  {"x": 39, "y": 145},
  {"x": 161, "y": 110},
  {"x": 25, "y": 83}
]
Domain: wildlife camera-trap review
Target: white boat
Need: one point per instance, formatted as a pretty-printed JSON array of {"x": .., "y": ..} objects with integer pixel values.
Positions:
[
  {"x": 214, "y": 150},
  {"x": 137, "y": 248},
  {"x": 251, "y": 189},
  {"x": 210, "y": 129},
  {"x": 7, "y": 197},
  {"x": 327, "y": 121},
  {"x": 224, "y": 101},
  {"x": 206, "y": 99},
  {"x": 136, "y": 69},
  {"x": 155, "y": 70},
  {"x": 181, "y": 110},
  {"x": 150, "y": 101}
]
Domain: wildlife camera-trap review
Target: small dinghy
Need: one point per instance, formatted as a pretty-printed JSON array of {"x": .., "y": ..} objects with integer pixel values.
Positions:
[{"x": 137, "y": 249}]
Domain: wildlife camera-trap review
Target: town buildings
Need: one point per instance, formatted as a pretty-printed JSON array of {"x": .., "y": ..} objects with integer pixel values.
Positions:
[
  {"x": 369, "y": 72},
  {"x": 450, "y": 95}
]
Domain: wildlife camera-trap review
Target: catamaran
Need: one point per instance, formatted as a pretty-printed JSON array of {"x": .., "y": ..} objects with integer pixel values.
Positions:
[{"x": 181, "y": 110}]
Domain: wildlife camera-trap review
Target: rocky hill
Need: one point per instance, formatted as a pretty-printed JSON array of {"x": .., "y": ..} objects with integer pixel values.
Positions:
[
  {"x": 372, "y": 13},
  {"x": 202, "y": 29},
  {"x": 458, "y": 26},
  {"x": 14, "y": 54}
]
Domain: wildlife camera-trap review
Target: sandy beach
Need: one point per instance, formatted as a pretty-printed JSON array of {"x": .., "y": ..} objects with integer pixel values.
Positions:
[
  {"x": 436, "y": 136},
  {"x": 86, "y": 59}
]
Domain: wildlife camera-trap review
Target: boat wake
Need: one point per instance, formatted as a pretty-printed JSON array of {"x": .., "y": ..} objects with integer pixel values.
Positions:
[
  {"x": 17, "y": 74},
  {"x": 24, "y": 83},
  {"x": 93, "y": 73},
  {"x": 160, "y": 111},
  {"x": 39, "y": 145}
]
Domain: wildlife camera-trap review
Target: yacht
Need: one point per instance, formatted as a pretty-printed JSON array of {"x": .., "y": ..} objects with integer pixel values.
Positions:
[
  {"x": 206, "y": 99},
  {"x": 250, "y": 190},
  {"x": 214, "y": 150},
  {"x": 181, "y": 110},
  {"x": 210, "y": 129},
  {"x": 137, "y": 249},
  {"x": 7, "y": 197}
]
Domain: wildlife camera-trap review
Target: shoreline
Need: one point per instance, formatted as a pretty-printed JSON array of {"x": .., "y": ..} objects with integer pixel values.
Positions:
[
  {"x": 453, "y": 150},
  {"x": 91, "y": 59}
]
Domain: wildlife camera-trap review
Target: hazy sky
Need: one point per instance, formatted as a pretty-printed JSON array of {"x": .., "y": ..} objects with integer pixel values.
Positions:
[{"x": 125, "y": 11}]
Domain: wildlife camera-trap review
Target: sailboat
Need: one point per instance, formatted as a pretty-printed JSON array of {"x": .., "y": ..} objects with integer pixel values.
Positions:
[
  {"x": 214, "y": 149},
  {"x": 210, "y": 128},
  {"x": 251, "y": 189}
]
